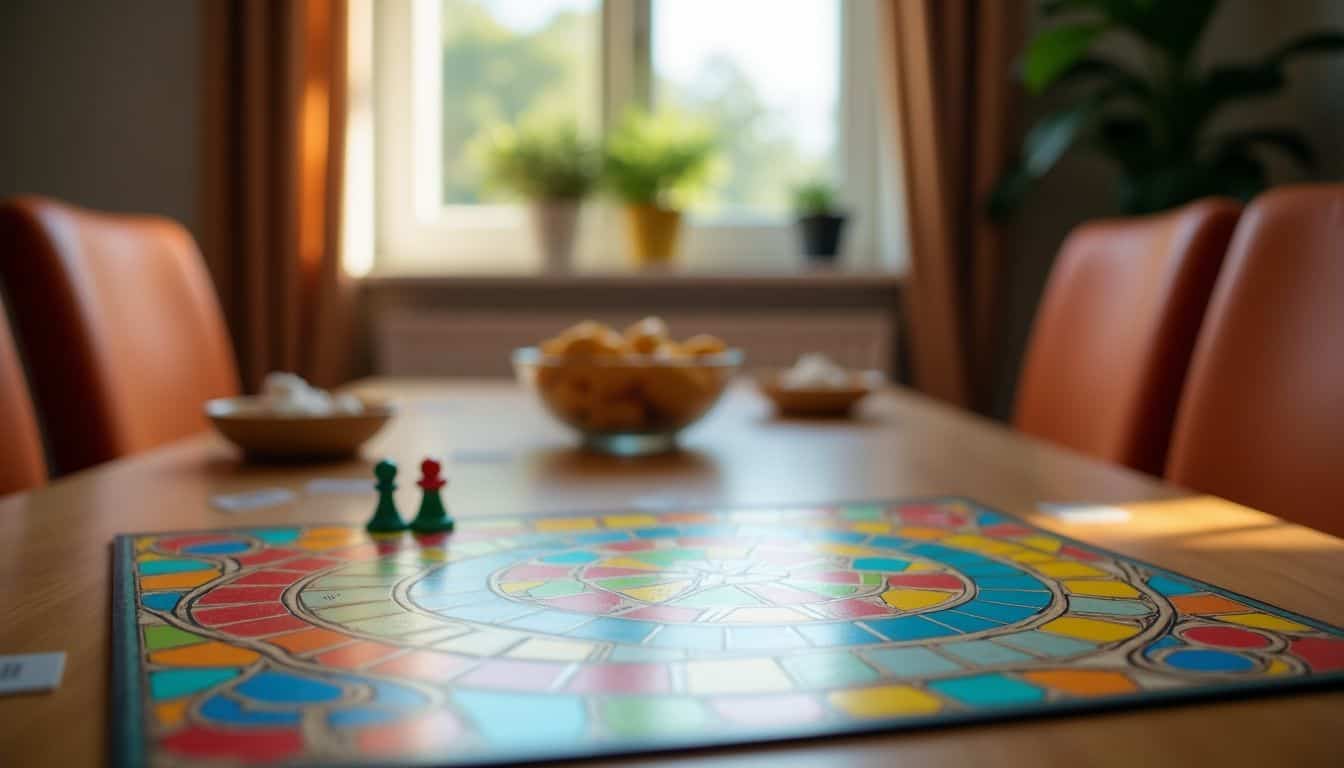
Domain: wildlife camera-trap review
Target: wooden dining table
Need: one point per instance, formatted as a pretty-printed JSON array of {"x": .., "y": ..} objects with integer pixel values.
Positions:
[{"x": 505, "y": 456}]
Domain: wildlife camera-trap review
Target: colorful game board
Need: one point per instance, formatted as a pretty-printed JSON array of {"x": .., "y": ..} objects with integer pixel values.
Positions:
[{"x": 551, "y": 637}]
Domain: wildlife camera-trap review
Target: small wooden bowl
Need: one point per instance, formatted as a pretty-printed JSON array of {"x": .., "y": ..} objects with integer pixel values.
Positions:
[
  {"x": 817, "y": 402},
  {"x": 272, "y": 437}
]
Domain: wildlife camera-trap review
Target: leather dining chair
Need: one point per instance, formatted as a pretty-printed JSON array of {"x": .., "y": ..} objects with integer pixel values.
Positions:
[
  {"x": 119, "y": 322},
  {"x": 1261, "y": 420},
  {"x": 1112, "y": 337},
  {"x": 22, "y": 465}
]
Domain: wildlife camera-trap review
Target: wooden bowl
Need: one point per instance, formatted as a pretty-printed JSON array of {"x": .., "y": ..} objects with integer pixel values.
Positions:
[
  {"x": 817, "y": 402},
  {"x": 267, "y": 436}
]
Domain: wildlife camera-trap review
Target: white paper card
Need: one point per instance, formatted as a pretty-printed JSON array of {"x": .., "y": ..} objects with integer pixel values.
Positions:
[
  {"x": 1084, "y": 513},
  {"x": 28, "y": 672},
  {"x": 266, "y": 497},
  {"x": 340, "y": 485}
]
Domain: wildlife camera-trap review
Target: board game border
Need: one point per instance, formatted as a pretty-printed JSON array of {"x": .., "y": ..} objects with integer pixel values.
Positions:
[{"x": 127, "y": 732}]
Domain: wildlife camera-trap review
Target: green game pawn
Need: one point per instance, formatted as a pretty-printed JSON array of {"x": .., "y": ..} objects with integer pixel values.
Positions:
[
  {"x": 432, "y": 517},
  {"x": 385, "y": 518}
]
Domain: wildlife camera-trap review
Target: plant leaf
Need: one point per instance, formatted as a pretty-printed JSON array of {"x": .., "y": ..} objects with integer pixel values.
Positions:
[
  {"x": 1129, "y": 141},
  {"x": 1052, "y": 136},
  {"x": 1292, "y": 143},
  {"x": 1114, "y": 77},
  {"x": 1316, "y": 42},
  {"x": 1055, "y": 50}
]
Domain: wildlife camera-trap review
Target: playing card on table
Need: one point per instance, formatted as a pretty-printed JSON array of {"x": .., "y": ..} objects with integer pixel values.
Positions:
[{"x": 28, "y": 672}]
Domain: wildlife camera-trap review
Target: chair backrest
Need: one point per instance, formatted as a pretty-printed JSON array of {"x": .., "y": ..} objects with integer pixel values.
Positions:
[
  {"x": 1261, "y": 420},
  {"x": 119, "y": 322},
  {"x": 22, "y": 465},
  {"x": 1115, "y": 329}
]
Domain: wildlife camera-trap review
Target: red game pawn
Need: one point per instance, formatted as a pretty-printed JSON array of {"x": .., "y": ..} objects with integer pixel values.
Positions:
[{"x": 432, "y": 516}]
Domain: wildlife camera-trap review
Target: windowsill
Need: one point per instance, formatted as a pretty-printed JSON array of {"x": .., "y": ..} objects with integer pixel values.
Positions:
[{"x": 673, "y": 278}]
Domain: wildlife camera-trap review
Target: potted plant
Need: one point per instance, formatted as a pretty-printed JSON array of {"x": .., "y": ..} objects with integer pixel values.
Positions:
[
  {"x": 820, "y": 221},
  {"x": 553, "y": 167},
  {"x": 1157, "y": 123},
  {"x": 653, "y": 163}
]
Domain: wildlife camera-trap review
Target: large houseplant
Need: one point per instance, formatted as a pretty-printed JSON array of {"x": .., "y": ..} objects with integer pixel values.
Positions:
[
  {"x": 1156, "y": 121},
  {"x": 653, "y": 163},
  {"x": 552, "y": 166}
]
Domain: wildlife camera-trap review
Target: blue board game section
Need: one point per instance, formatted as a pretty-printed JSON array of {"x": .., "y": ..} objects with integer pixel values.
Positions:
[
  {"x": 840, "y": 633},
  {"x": 1022, "y": 581},
  {"x": 688, "y": 636},
  {"x": 493, "y": 611},
  {"x": 909, "y": 628},
  {"x": 276, "y": 535},
  {"x": 390, "y": 694},
  {"x": 1172, "y": 587},
  {"x": 599, "y": 537},
  {"x": 912, "y": 662},
  {"x": 988, "y": 690},
  {"x": 359, "y": 717},
  {"x": 1029, "y": 598},
  {"x": 577, "y": 557},
  {"x": 218, "y": 548},
  {"x": 153, "y": 567},
  {"x": 283, "y": 688},
  {"x": 615, "y": 630},
  {"x": 888, "y": 564},
  {"x": 964, "y": 622},
  {"x": 1109, "y": 607},
  {"x": 552, "y": 719},
  {"x": 658, "y": 533},
  {"x": 841, "y": 537},
  {"x": 989, "y": 568},
  {"x": 890, "y": 542},
  {"x": 984, "y": 653},
  {"x": 161, "y": 601},
  {"x": 1166, "y": 641},
  {"x": 761, "y": 638},
  {"x": 1006, "y": 614},
  {"x": 1046, "y": 644},
  {"x": 1208, "y": 660},
  {"x": 445, "y": 603},
  {"x": 550, "y": 622},
  {"x": 229, "y": 712},
  {"x": 171, "y": 683}
]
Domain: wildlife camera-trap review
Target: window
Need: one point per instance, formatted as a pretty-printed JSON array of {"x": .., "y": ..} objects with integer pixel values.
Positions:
[{"x": 789, "y": 104}]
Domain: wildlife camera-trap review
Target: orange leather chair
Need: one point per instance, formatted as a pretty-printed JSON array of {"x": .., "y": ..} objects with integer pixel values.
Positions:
[
  {"x": 1261, "y": 421},
  {"x": 120, "y": 324},
  {"x": 22, "y": 465},
  {"x": 1115, "y": 329}
]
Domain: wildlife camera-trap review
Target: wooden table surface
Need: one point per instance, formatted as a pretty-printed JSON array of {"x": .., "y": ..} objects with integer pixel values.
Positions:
[{"x": 506, "y": 457}]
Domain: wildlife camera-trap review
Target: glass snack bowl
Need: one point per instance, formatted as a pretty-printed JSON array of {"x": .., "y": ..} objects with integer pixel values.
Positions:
[{"x": 627, "y": 405}]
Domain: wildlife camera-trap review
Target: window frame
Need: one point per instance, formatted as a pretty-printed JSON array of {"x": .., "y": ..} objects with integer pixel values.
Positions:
[{"x": 413, "y": 226}]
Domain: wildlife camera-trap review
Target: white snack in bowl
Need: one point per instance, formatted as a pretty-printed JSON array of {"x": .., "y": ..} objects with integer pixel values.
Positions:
[
  {"x": 288, "y": 394},
  {"x": 814, "y": 371}
]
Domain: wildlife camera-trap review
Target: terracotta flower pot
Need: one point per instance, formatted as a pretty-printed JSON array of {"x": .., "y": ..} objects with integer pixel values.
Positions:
[
  {"x": 554, "y": 223},
  {"x": 653, "y": 233}
]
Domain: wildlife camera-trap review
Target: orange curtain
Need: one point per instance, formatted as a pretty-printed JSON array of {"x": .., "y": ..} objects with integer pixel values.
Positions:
[
  {"x": 275, "y": 107},
  {"x": 953, "y": 96}
]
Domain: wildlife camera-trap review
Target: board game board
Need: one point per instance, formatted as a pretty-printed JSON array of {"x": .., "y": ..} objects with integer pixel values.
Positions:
[{"x": 552, "y": 637}]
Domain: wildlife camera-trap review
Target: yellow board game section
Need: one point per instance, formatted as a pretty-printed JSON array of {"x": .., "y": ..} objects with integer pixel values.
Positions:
[
  {"x": 1094, "y": 630},
  {"x": 1100, "y": 588},
  {"x": 630, "y": 521},
  {"x": 514, "y": 587},
  {"x": 658, "y": 592},
  {"x": 171, "y": 714},
  {"x": 552, "y": 525},
  {"x": 208, "y": 654},
  {"x": 886, "y": 701},
  {"x": 871, "y": 527},
  {"x": 1041, "y": 542},
  {"x": 548, "y": 649},
  {"x": 913, "y": 599},
  {"x": 920, "y": 533},
  {"x": 1265, "y": 621},
  {"x": 1082, "y": 682},
  {"x": 1065, "y": 569}
]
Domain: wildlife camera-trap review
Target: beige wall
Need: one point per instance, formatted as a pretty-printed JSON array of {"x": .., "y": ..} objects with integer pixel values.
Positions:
[
  {"x": 1080, "y": 188},
  {"x": 101, "y": 103}
]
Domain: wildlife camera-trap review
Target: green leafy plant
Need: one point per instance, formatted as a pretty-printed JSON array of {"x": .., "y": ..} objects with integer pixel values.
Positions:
[
  {"x": 658, "y": 159},
  {"x": 540, "y": 160},
  {"x": 1156, "y": 122},
  {"x": 814, "y": 198}
]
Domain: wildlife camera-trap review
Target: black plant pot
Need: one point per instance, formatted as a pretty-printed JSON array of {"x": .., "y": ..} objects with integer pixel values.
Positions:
[{"x": 821, "y": 236}]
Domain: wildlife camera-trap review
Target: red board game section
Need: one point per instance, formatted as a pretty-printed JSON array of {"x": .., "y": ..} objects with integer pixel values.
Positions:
[
  {"x": 631, "y": 546},
  {"x": 669, "y": 613},
  {"x": 942, "y": 581},
  {"x": 356, "y": 655},
  {"x": 425, "y": 665},
  {"x": 272, "y": 626},
  {"x": 213, "y": 617},
  {"x": 853, "y": 609},
  {"x": 589, "y": 602},
  {"x": 1226, "y": 637},
  {"x": 227, "y": 595},
  {"x": 1006, "y": 531},
  {"x": 255, "y": 745},
  {"x": 622, "y": 678},
  {"x": 1322, "y": 654},
  {"x": 309, "y": 564},
  {"x": 268, "y": 578},
  {"x": 1077, "y": 553},
  {"x": 606, "y": 572},
  {"x": 266, "y": 556}
]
